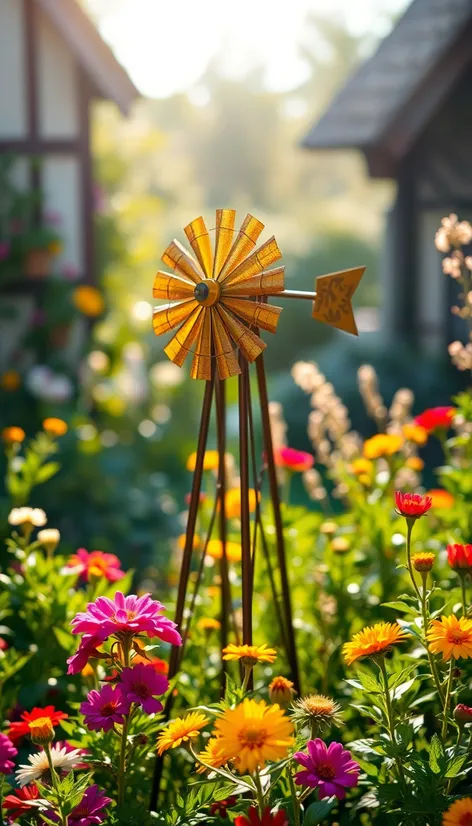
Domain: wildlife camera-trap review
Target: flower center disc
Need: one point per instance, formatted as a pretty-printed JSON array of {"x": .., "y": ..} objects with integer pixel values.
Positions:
[
  {"x": 458, "y": 637},
  {"x": 253, "y": 738},
  {"x": 207, "y": 292},
  {"x": 326, "y": 771}
]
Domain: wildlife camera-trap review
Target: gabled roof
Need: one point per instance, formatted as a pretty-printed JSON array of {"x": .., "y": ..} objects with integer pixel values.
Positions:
[
  {"x": 390, "y": 98},
  {"x": 95, "y": 57}
]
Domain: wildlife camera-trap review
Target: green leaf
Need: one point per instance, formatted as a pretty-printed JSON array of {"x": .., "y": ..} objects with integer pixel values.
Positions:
[
  {"x": 455, "y": 765},
  {"x": 63, "y": 637},
  {"x": 436, "y": 754},
  {"x": 46, "y": 472},
  {"x": 317, "y": 812},
  {"x": 398, "y": 605}
]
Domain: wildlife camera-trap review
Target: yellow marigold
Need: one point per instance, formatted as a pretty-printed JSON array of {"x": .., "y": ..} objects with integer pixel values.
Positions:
[
  {"x": 213, "y": 755},
  {"x": 88, "y": 300},
  {"x": 180, "y": 730},
  {"x": 362, "y": 466},
  {"x": 250, "y": 654},
  {"x": 10, "y": 435},
  {"x": 441, "y": 498},
  {"x": 210, "y": 461},
  {"x": 233, "y": 502},
  {"x": 383, "y": 444},
  {"x": 415, "y": 463},
  {"x": 415, "y": 433},
  {"x": 41, "y": 731},
  {"x": 451, "y": 637},
  {"x": 55, "y": 427},
  {"x": 10, "y": 381},
  {"x": 209, "y": 624},
  {"x": 281, "y": 691},
  {"x": 459, "y": 813},
  {"x": 233, "y": 550},
  {"x": 181, "y": 541},
  {"x": 253, "y": 733},
  {"x": 423, "y": 561},
  {"x": 373, "y": 640}
]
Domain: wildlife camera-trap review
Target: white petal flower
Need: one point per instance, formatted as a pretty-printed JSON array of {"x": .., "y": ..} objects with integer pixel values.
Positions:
[
  {"x": 35, "y": 516},
  {"x": 62, "y": 760},
  {"x": 49, "y": 537}
]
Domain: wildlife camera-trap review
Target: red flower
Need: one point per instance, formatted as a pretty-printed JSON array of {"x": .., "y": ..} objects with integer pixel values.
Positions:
[
  {"x": 293, "y": 459},
  {"x": 412, "y": 504},
  {"x": 17, "y": 802},
  {"x": 463, "y": 714},
  {"x": 219, "y": 808},
  {"x": 253, "y": 819},
  {"x": 96, "y": 564},
  {"x": 3, "y": 644},
  {"x": 435, "y": 417},
  {"x": 460, "y": 557},
  {"x": 21, "y": 728}
]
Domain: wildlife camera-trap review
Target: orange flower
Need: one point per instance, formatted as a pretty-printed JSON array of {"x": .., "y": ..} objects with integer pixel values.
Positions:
[
  {"x": 415, "y": 463},
  {"x": 88, "y": 300},
  {"x": 459, "y": 557},
  {"x": 210, "y": 461},
  {"x": 253, "y": 733},
  {"x": 415, "y": 433},
  {"x": 451, "y": 637},
  {"x": 361, "y": 466},
  {"x": 213, "y": 755},
  {"x": 13, "y": 435},
  {"x": 41, "y": 731},
  {"x": 423, "y": 561},
  {"x": 374, "y": 639},
  {"x": 233, "y": 550},
  {"x": 281, "y": 691},
  {"x": 250, "y": 654},
  {"x": 441, "y": 498},
  {"x": 459, "y": 813},
  {"x": 383, "y": 444},
  {"x": 160, "y": 666},
  {"x": 233, "y": 502},
  {"x": 209, "y": 624},
  {"x": 181, "y": 541},
  {"x": 180, "y": 731},
  {"x": 55, "y": 427},
  {"x": 10, "y": 381}
]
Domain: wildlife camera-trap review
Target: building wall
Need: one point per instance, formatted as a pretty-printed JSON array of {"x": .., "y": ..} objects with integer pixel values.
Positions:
[{"x": 13, "y": 111}]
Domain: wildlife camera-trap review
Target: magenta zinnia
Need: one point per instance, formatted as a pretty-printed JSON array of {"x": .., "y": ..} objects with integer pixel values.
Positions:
[
  {"x": 140, "y": 683},
  {"x": 8, "y": 753},
  {"x": 104, "y": 708},
  {"x": 90, "y": 811},
  {"x": 330, "y": 769}
]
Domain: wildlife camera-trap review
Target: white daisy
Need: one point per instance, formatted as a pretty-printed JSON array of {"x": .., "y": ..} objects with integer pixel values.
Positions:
[
  {"x": 35, "y": 516},
  {"x": 62, "y": 760}
]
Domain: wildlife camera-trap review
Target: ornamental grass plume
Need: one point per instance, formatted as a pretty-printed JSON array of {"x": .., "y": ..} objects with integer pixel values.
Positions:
[
  {"x": 180, "y": 730},
  {"x": 254, "y": 733},
  {"x": 330, "y": 769},
  {"x": 451, "y": 637},
  {"x": 374, "y": 640}
]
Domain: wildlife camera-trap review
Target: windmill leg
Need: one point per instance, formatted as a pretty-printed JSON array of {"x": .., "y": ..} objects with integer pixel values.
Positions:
[
  {"x": 174, "y": 660},
  {"x": 279, "y": 531},
  {"x": 226, "y": 608},
  {"x": 246, "y": 564}
]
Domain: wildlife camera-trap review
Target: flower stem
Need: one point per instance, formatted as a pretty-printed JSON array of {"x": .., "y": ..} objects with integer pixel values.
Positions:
[
  {"x": 247, "y": 677},
  {"x": 390, "y": 720},
  {"x": 432, "y": 664},
  {"x": 64, "y": 820},
  {"x": 295, "y": 800},
  {"x": 124, "y": 733},
  {"x": 447, "y": 701},
  {"x": 464, "y": 595},
  {"x": 260, "y": 793},
  {"x": 409, "y": 528}
]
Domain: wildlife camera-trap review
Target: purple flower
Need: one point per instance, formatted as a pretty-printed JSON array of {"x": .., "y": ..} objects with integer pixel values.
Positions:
[
  {"x": 8, "y": 753},
  {"x": 104, "y": 708},
  {"x": 90, "y": 810},
  {"x": 140, "y": 683},
  {"x": 329, "y": 769},
  {"x": 126, "y": 615},
  {"x": 4, "y": 250},
  {"x": 86, "y": 649}
]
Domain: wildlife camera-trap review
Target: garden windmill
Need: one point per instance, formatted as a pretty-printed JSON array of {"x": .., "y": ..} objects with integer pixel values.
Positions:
[{"x": 217, "y": 304}]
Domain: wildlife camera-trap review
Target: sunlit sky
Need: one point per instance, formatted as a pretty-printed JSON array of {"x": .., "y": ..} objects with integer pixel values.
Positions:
[{"x": 166, "y": 45}]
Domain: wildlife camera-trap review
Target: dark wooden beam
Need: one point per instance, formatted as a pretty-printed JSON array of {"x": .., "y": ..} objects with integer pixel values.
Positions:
[{"x": 37, "y": 146}]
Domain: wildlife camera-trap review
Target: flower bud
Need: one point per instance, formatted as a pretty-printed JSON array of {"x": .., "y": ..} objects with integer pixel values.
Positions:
[
  {"x": 49, "y": 539},
  {"x": 423, "y": 561},
  {"x": 281, "y": 691},
  {"x": 462, "y": 714},
  {"x": 41, "y": 731}
]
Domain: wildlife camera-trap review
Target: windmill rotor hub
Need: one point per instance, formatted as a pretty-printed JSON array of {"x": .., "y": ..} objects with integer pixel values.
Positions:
[{"x": 207, "y": 292}]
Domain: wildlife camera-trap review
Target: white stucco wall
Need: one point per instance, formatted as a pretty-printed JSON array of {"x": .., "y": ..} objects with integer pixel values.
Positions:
[
  {"x": 57, "y": 84},
  {"x": 13, "y": 113},
  {"x": 62, "y": 193}
]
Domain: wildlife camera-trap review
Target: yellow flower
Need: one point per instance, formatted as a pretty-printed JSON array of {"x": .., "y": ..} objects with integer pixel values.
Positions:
[
  {"x": 415, "y": 433},
  {"x": 423, "y": 561},
  {"x": 415, "y": 463},
  {"x": 362, "y": 466},
  {"x": 55, "y": 427},
  {"x": 209, "y": 624},
  {"x": 11, "y": 435},
  {"x": 281, "y": 691},
  {"x": 180, "y": 730},
  {"x": 10, "y": 381},
  {"x": 215, "y": 550},
  {"x": 54, "y": 247},
  {"x": 250, "y": 654},
  {"x": 181, "y": 541},
  {"x": 210, "y": 461},
  {"x": 383, "y": 444},
  {"x": 340, "y": 545},
  {"x": 41, "y": 731},
  {"x": 87, "y": 671},
  {"x": 213, "y": 755},
  {"x": 451, "y": 637},
  {"x": 441, "y": 498},
  {"x": 88, "y": 300},
  {"x": 373, "y": 640},
  {"x": 459, "y": 813},
  {"x": 253, "y": 733},
  {"x": 233, "y": 502}
]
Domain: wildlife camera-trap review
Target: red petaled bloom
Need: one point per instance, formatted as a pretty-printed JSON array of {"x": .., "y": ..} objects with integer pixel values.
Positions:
[
  {"x": 463, "y": 714},
  {"x": 96, "y": 564},
  {"x": 412, "y": 504},
  {"x": 292, "y": 459},
  {"x": 19, "y": 801},
  {"x": 19, "y": 729},
  {"x": 268, "y": 819},
  {"x": 219, "y": 808},
  {"x": 460, "y": 557},
  {"x": 436, "y": 418}
]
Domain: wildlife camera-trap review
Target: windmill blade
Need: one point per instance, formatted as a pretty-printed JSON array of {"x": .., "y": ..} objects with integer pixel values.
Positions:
[
  {"x": 255, "y": 313},
  {"x": 248, "y": 342},
  {"x": 260, "y": 259},
  {"x": 267, "y": 283},
  {"x": 180, "y": 345},
  {"x": 225, "y": 219},
  {"x": 172, "y": 287},
  {"x": 226, "y": 360},
  {"x": 332, "y": 303},
  {"x": 201, "y": 364},
  {"x": 171, "y": 315},
  {"x": 244, "y": 244},
  {"x": 177, "y": 257},
  {"x": 197, "y": 234}
]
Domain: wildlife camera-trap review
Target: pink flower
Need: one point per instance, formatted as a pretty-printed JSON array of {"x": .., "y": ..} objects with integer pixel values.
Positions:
[
  {"x": 89, "y": 811},
  {"x": 70, "y": 272},
  {"x": 96, "y": 564},
  {"x": 329, "y": 769},
  {"x": 104, "y": 708},
  {"x": 8, "y": 753},
  {"x": 4, "y": 250},
  {"x": 292, "y": 459},
  {"x": 140, "y": 683},
  {"x": 86, "y": 649},
  {"x": 126, "y": 615}
]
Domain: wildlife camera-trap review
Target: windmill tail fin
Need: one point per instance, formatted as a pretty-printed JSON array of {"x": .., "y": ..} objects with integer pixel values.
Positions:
[{"x": 332, "y": 304}]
